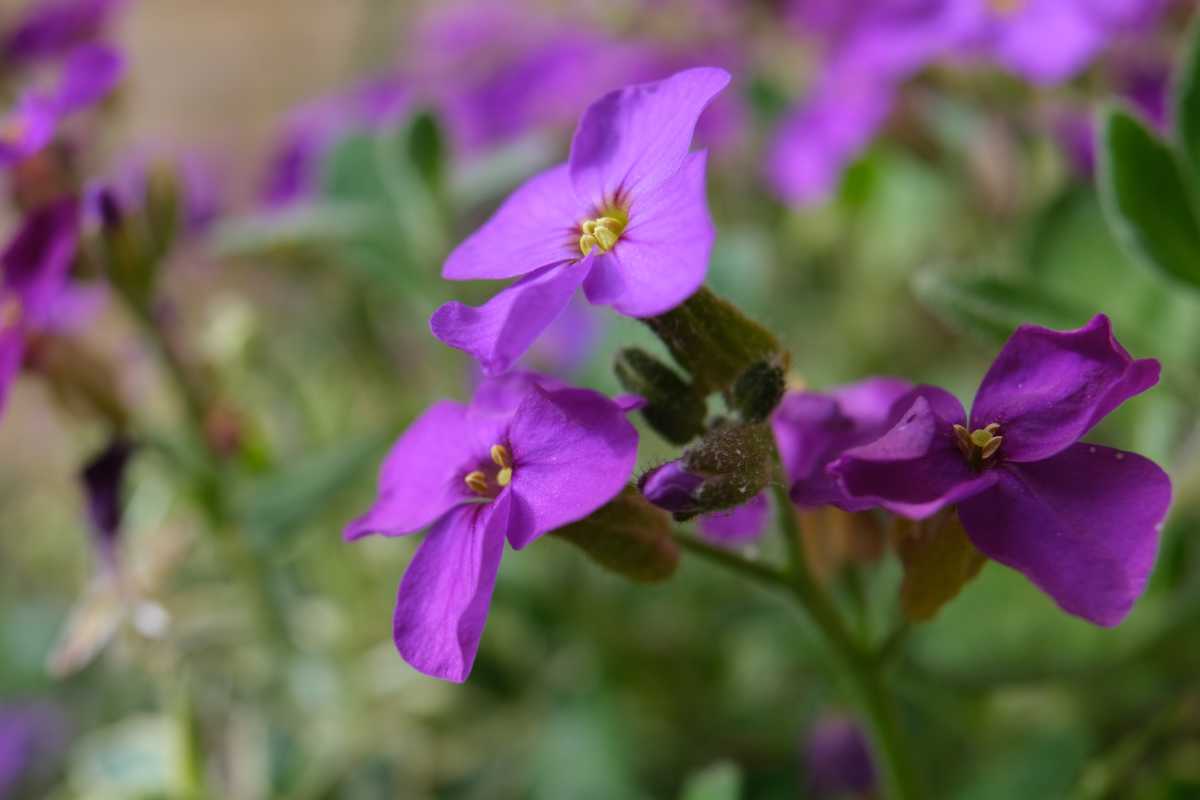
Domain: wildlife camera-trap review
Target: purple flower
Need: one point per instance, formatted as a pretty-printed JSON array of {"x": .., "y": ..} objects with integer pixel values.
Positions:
[
  {"x": 737, "y": 526},
  {"x": 199, "y": 186},
  {"x": 313, "y": 129},
  {"x": 837, "y": 759},
  {"x": 103, "y": 479},
  {"x": 513, "y": 464},
  {"x": 29, "y": 732},
  {"x": 625, "y": 218},
  {"x": 51, "y": 28},
  {"x": 812, "y": 429},
  {"x": 1081, "y": 521},
  {"x": 27, "y": 128},
  {"x": 1049, "y": 41},
  {"x": 567, "y": 343},
  {"x": 672, "y": 488},
  {"x": 36, "y": 266}
]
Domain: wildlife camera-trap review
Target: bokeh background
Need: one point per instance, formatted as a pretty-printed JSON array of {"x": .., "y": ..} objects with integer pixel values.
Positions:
[{"x": 971, "y": 207}]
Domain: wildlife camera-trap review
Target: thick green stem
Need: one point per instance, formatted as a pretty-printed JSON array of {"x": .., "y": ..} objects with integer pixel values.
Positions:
[{"x": 862, "y": 670}]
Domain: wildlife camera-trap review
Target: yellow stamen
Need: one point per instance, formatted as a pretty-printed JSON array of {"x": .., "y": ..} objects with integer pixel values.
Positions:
[
  {"x": 603, "y": 231},
  {"x": 477, "y": 482},
  {"x": 500, "y": 456},
  {"x": 978, "y": 445},
  {"x": 504, "y": 476},
  {"x": 1006, "y": 8}
]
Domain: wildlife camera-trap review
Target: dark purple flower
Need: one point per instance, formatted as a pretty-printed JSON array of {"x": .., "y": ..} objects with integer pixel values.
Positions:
[
  {"x": 671, "y": 487},
  {"x": 311, "y": 130},
  {"x": 51, "y": 28},
  {"x": 1079, "y": 520},
  {"x": 737, "y": 526},
  {"x": 29, "y": 732},
  {"x": 837, "y": 759},
  {"x": 36, "y": 266},
  {"x": 499, "y": 468},
  {"x": 103, "y": 479},
  {"x": 812, "y": 429},
  {"x": 629, "y": 201}
]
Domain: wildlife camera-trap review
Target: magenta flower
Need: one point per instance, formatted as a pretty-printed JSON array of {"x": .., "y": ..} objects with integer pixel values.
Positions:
[
  {"x": 27, "y": 128},
  {"x": 51, "y": 28},
  {"x": 1079, "y": 520},
  {"x": 813, "y": 429},
  {"x": 314, "y": 128},
  {"x": 36, "y": 266},
  {"x": 515, "y": 464},
  {"x": 625, "y": 218},
  {"x": 837, "y": 759},
  {"x": 738, "y": 526}
]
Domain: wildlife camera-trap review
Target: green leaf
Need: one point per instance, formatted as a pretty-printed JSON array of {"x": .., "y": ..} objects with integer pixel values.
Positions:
[
  {"x": 1146, "y": 200},
  {"x": 992, "y": 308},
  {"x": 721, "y": 781},
  {"x": 427, "y": 149},
  {"x": 1186, "y": 101}
]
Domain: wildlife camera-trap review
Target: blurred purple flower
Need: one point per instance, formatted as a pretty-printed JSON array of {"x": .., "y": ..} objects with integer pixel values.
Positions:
[
  {"x": 312, "y": 129},
  {"x": 1146, "y": 90},
  {"x": 567, "y": 342},
  {"x": 51, "y": 28},
  {"x": 27, "y": 128},
  {"x": 813, "y": 429},
  {"x": 103, "y": 479},
  {"x": 837, "y": 759},
  {"x": 480, "y": 474},
  {"x": 29, "y": 732},
  {"x": 199, "y": 186},
  {"x": 36, "y": 266},
  {"x": 630, "y": 199},
  {"x": 1081, "y": 521},
  {"x": 737, "y": 526}
]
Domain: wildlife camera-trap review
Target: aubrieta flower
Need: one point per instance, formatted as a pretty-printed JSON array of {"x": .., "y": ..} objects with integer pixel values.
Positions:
[
  {"x": 1079, "y": 520},
  {"x": 103, "y": 479},
  {"x": 516, "y": 463},
  {"x": 52, "y": 28},
  {"x": 29, "y": 732},
  {"x": 837, "y": 759},
  {"x": 36, "y": 266},
  {"x": 88, "y": 75},
  {"x": 629, "y": 200}
]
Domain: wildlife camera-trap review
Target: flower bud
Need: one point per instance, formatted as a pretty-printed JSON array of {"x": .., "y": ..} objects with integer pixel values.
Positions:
[
  {"x": 123, "y": 251},
  {"x": 725, "y": 469},
  {"x": 162, "y": 208},
  {"x": 758, "y": 390},
  {"x": 673, "y": 488},
  {"x": 673, "y": 408},
  {"x": 714, "y": 341},
  {"x": 627, "y": 536}
]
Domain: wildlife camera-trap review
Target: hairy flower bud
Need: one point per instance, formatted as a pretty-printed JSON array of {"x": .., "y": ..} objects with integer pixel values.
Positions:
[
  {"x": 759, "y": 390},
  {"x": 714, "y": 341},
  {"x": 673, "y": 408},
  {"x": 725, "y": 469},
  {"x": 628, "y": 536}
]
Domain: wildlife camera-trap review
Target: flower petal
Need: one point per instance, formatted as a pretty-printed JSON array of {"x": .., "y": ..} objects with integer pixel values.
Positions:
[
  {"x": 1083, "y": 526},
  {"x": 422, "y": 477},
  {"x": 634, "y": 139},
  {"x": 573, "y": 450},
  {"x": 915, "y": 469},
  {"x": 662, "y": 256},
  {"x": 499, "y": 332},
  {"x": 89, "y": 75},
  {"x": 1048, "y": 388},
  {"x": 443, "y": 601},
  {"x": 537, "y": 226},
  {"x": 738, "y": 525}
]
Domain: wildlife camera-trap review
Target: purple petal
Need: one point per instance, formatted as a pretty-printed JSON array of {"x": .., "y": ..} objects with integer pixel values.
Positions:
[
  {"x": 737, "y": 526},
  {"x": 672, "y": 488},
  {"x": 37, "y": 263},
  {"x": 837, "y": 759},
  {"x": 89, "y": 75},
  {"x": 52, "y": 27},
  {"x": 915, "y": 469},
  {"x": 634, "y": 139},
  {"x": 822, "y": 137},
  {"x": 570, "y": 340},
  {"x": 1047, "y": 41},
  {"x": 573, "y": 450},
  {"x": 1082, "y": 525},
  {"x": 27, "y": 128},
  {"x": 422, "y": 477},
  {"x": 668, "y": 225},
  {"x": 1048, "y": 388},
  {"x": 537, "y": 226},
  {"x": 443, "y": 601},
  {"x": 499, "y": 332},
  {"x": 103, "y": 481}
]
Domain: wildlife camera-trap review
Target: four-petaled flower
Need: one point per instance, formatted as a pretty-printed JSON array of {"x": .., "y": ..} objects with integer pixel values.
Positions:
[
  {"x": 1079, "y": 520},
  {"x": 516, "y": 463},
  {"x": 625, "y": 218}
]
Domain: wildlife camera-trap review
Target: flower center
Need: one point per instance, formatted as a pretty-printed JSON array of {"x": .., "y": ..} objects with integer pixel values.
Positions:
[
  {"x": 979, "y": 446},
  {"x": 603, "y": 231},
  {"x": 10, "y": 313},
  {"x": 1006, "y": 8},
  {"x": 480, "y": 482}
]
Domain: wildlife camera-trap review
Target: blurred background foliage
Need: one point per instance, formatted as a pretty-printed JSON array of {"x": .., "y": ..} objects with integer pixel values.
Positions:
[{"x": 964, "y": 218}]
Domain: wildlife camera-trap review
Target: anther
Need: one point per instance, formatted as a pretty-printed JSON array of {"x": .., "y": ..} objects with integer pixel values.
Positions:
[
  {"x": 477, "y": 482},
  {"x": 504, "y": 476},
  {"x": 602, "y": 232},
  {"x": 500, "y": 456}
]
